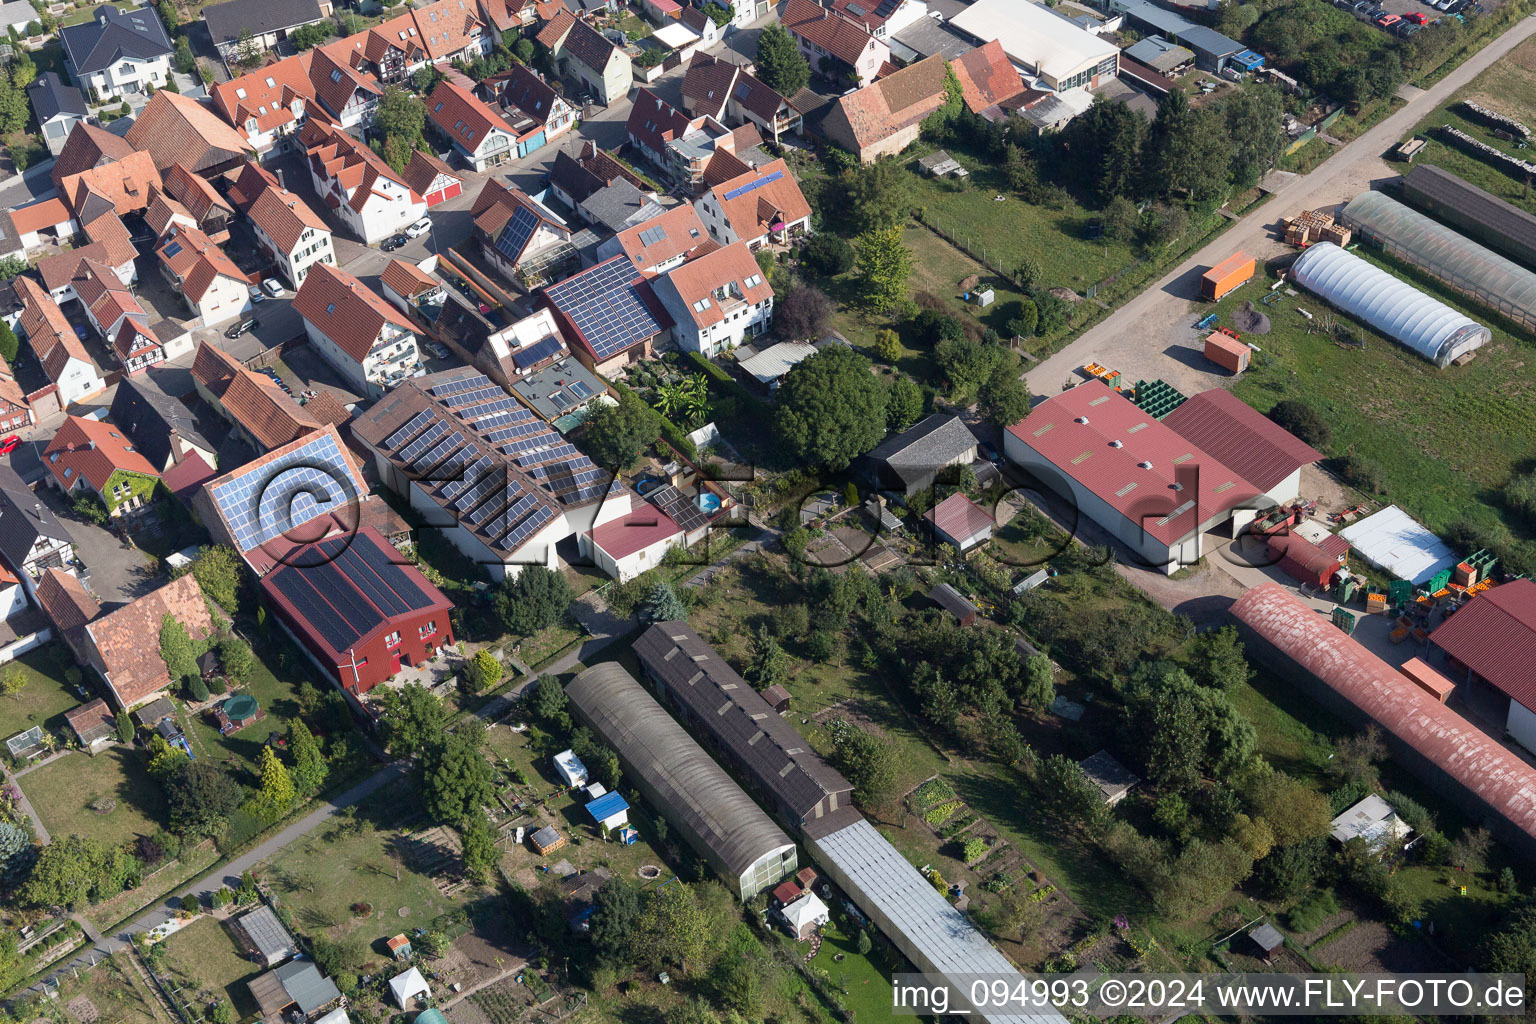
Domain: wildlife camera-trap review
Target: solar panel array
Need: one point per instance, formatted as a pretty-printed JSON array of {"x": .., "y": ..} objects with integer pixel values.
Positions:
[
  {"x": 516, "y": 232},
  {"x": 268, "y": 500},
  {"x": 680, "y": 507},
  {"x": 335, "y": 630},
  {"x": 374, "y": 572},
  {"x": 605, "y": 306},
  {"x": 650, "y": 236},
  {"x": 538, "y": 351},
  {"x": 753, "y": 186}
]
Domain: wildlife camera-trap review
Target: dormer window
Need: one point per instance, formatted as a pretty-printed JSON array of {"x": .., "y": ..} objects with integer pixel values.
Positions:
[
  {"x": 336, "y": 75},
  {"x": 240, "y": 93}
]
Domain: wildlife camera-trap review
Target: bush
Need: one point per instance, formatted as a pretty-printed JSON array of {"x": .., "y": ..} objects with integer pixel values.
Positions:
[
  {"x": 829, "y": 254},
  {"x": 1303, "y": 421},
  {"x": 1520, "y": 497},
  {"x": 1362, "y": 473}
]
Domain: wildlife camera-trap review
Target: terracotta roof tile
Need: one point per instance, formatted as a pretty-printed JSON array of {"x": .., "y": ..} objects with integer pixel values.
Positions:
[
  {"x": 589, "y": 46},
  {"x": 47, "y": 329},
  {"x": 67, "y": 603},
  {"x": 134, "y": 668},
  {"x": 87, "y": 146},
  {"x": 759, "y": 98},
  {"x": 654, "y": 122},
  {"x": 197, "y": 262},
  {"x": 522, "y": 88},
  {"x": 126, "y": 183},
  {"x": 423, "y": 171},
  {"x": 837, "y": 34},
  {"x": 554, "y": 31},
  {"x": 133, "y": 339},
  {"x": 707, "y": 84},
  {"x": 406, "y": 279},
  {"x": 987, "y": 77},
  {"x": 110, "y": 231},
  {"x": 164, "y": 211},
  {"x": 729, "y": 267},
  {"x": 681, "y": 231},
  {"x": 188, "y": 475},
  {"x": 250, "y": 182},
  {"x": 463, "y": 117},
  {"x": 94, "y": 450},
  {"x": 752, "y": 214},
  {"x": 179, "y": 129},
  {"x": 36, "y": 216},
  {"x": 269, "y": 94},
  {"x": 252, "y": 399},
  {"x": 284, "y": 217},
  {"x": 448, "y": 26},
  {"x": 883, "y": 108},
  {"x": 348, "y": 313}
]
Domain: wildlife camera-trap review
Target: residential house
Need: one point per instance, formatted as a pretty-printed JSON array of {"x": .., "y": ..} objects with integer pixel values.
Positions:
[
  {"x": 761, "y": 206},
  {"x": 837, "y": 46},
  {"x": 370, "y": 198},
  {"x": 354, "y": 329},
  {"x": 206, "y": 279},
  {"x": 988, "y": 80},
  {"x": 268, "y": 22},
  {"x": 728, "y": 93},
  {"x": 551, "y": 383},
  {"x": 86, "y": 147},
  {"x": 15, "y": 412},
  {"x": 677, "y": 145},
  {"x": 159, "y": 426},
  {"x": 480, "y": 135},
  {"x": 57, "y": 107},
  {"x": 260, "y": 412},
  {"x": 573, "y": 178},
  {"x": 119, "y": 52},
  {"x": 450, "y": 30},
  {"x": 211, "y": 211},
  {"x": 432, "y": 179},
  {"x": 591, "y": 57},
  {"x": 885, "y": 118},
  {"x": 409, "y": 287},
  {"x": 93, "y": 456},
  {"x": 619, "y": 206},
  {"x": 164, "y": 213},
  {"x": 706, "y": 33},
  {"x": 347, "y": 93},
  {"x": 610, "y": 315},
  {"x": 115, "y": 186},
  {"x": 717, "y": 300},
  {"x": 117, "y": 316},
  {"x": 108, "y": 234},
  {"x": 521, "y": 238},
  {"x": 32, "y": 224},
  {"x": 16, "y": 15},
  {"x": 115, "y": 644},
  {"x": 64, "y": 599},
  {"x": 657, "y": 245},
  {"x": 883, "y": 19},
  {"x": 53, "y": 341},
  {"x": 268, "y": 106},
  {"x": 527, "y": 97},
  {"x": 506, "y": 19},
  {"x": 178, "y": 129},
  {"x": 249, "y": 182},
  {"x": 32, "y": 539},
  {"x": 291, "y": 233}
]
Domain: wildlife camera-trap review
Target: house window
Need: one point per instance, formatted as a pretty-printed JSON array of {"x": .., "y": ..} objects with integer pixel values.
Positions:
[
  {"x": 392, "y": 640},
  {"x": 427, "y": 630}
]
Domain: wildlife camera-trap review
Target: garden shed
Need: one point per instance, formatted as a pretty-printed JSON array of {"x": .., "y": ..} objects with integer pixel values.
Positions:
[
  {"x": 93, "y": 725},
  {"x": 1114, "y": 779},
  {"x": 1268, "y": 938},
  {"x": 263, "y": 938}
]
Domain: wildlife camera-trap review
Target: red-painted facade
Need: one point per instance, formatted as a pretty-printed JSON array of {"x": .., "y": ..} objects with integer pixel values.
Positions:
[
  {"x": 433, "y": 198},
  {"x": 397, "y": 641}
]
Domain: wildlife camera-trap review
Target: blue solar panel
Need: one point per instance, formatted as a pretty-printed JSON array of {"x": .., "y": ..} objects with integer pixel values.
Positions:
[
  {"x": 605, "y": 306},
  {"x": 538, "y": 351},
  {"x": 306, "y": 600},
  {"x": 454, "y": 387},
  {"x": 510, "y": 433},
  {"x": 516, "y": 414},
  {"x": 461, "y": 402},
  {"x": 269, "y": 500},
  {"x": 489, "y": 409},
  {"x": 527, "y": 527},
  {"x": 439, "y": 452},
  {"x": 516, "y": 233},
  {"x": 471, "y": 475},
  {"x": 477, "y": 492},
  {"x": 514, "y": 514},
  {"x": 411, "y": 452},
  {"x": 753, "y": 186},
  {"x": 417, "y": 422}
]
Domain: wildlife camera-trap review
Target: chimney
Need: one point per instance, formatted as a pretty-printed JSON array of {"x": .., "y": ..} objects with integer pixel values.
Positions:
[{"x": 279, "y": 173}]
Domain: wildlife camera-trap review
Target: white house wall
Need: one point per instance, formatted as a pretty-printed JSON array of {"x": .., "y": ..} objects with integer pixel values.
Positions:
[{"x": 1522, "y": 725}]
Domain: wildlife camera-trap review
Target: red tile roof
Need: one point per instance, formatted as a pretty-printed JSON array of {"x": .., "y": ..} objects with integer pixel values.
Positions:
[
  {"x": 87, "y": 146},
  {"x": 891, "y": 104},
  {"x": 269, "y": 94},
  {"x": 108, "y": 299},
  {"x": 134, "y": 339},
  {"x": 681, "y": 231},
  {"x": 838, "y": 35},
  {"x": 448, "y": 26},
  {"x": 39, "y": 215},
  {"x": 1495, "y": 636},
  {"x": 732, "y": 265},
  {"x": 554, "y": 31},
  {"x": 707, "y": 84},
  {"x": 67, "y": 603},
  {"x": 987, "y": 77},
  {"x": 654, "y": 122},
  {"x": 463, "y": 117},
  {"x": 1475, "y": 760},
  {"x": 406, "y": 279},
  {"x": 870, "y": 15},
  {"x": 92, "y": 722},
  {"x": 179, "y": 129},
  {"x": 126, "y": 183},
  {"x": 134, "y": 669},
  {"x": 164, "y": 211},
  {"x": 62, "y": 268},
  {"x": 346, "y": 160},
  {"x": 47, "y": 329},
  {"x": 1237, "y": 435},
  {"x": 752, "y": 214},
  {"x": 110, "y": 231},
  {"x": 284, "y": 217},
  {"x": 959, "y": 517},
  {"x": 424, "y": 170},
  {"x": 338, "y": 305},
  {"x": 197, "y": 262},
  {"x": 644, "y": 526},
  {"x": 94, "y": 450},
  {"x": 250, "y": 182},
  {"x": 1137, "y": 479}
]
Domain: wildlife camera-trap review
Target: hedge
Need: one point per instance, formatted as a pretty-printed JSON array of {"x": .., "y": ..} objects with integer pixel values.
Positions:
[{"x": 675, "y": 437}]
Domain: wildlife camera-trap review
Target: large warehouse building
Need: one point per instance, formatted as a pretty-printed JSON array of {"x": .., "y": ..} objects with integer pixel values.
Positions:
[
  {"x": 746, "y": 733},
  {"x": 1473, "y": 270},
  {"x": 1480, "y": 214},
  {"x": 1057, "y": 52},
  {"x": 1491, "y": 645},
  {"x": 1435, "y": 742},
  {"x": 1155, "y": 488},
  {"x": 1387, "y": 304},
  {"x": 681, "y": 781}
]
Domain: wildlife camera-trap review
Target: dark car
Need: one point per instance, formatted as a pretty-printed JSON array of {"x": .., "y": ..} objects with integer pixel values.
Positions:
[
  {"x": 240, "y": 328},
  {"x": 394, "y": 242}
]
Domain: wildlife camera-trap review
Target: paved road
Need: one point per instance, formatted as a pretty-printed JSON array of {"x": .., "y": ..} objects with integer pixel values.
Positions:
[{"x": 1152, "y": 335}]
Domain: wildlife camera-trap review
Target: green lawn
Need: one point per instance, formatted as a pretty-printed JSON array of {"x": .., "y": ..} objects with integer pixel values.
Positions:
[
  {"x": 275, "y": 690},
  {"x": 114, "y": 989},
  {"x": 864, "y": 986},
  {"x": 63, "y": 791},
  {"x": 46, "y": 696},
  {"x": 1446, "y": 440},
  {"x": 86, "y": 14},
  {"x": 206, "y": 959}
]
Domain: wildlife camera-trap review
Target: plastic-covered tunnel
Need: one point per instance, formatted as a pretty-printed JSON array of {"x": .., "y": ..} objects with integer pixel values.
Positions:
[{"x": 1389, "y": 305}]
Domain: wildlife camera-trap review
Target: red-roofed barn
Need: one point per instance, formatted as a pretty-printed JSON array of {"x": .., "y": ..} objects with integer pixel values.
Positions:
[{"x": 1491, "y": 645}]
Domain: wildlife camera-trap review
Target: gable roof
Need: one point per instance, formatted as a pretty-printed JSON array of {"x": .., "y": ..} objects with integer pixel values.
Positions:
[
  {"x": 608, "y": 308},
  {"x": 338, "y": 305},
  {"x": 707, "y": 83},
  {"x": 1495, "y": 636},
  {"x": 336, "y": 155},
  {"x": 51, "y": 97},
  {"x": 284, "y": 217},
  {"x": 226, "y": 20},
  {"x": 660, "y": 239},
  {"x": 463, "y": 117},
  {"x": 147, "y": 416},
  {"x": 249, "y": 183},
  {"x": 619, "y": 205},
  {"x": 109, "y": 231},
  {"x": 187, "y": 476},
  {"x": 114, "y": 35},
  {"x": 134, "y": 668},
  {"x": 92, "y": 449},
  {"x": 959, "y": 517},
  {"x": 423, "y": 171},
  {"x": 125, "y": 183},
  {"x": 68, "y": 605},
  {"x": 589, "y": 46},
  {"x": 108, "y": 299},
  {"x": 869, "y": 13},
  {"x": 87, "y": 146},
  {"x": 753, "y": 202},
  {"x": 407, "y": 279},
  {"x": 23, "y": 519},
  {"x": 836, "y": 33},
  {"x": 935, "y": 441},
  {"x": 555, "y": 29},
  {"x": 987, "y": 77},
  {"x": 252, "y": 399},
  {"x": 521, "y": 87},
  {"x": 266, "y": 95},
  {"x": 755, "y": 96},
  {"x": 48, "y": 330},
  {"x": 197, "y": 262},
  {"x": 269, "y": 498},
  {"x": 164, "y": 211},
  {"x": 44, "y": 213},
  {"x": 731, "y": 267},
  {"x": 179, "y": 129},
  {"x": 1240, "y": 437},
  {"x": 897, "y": 101},
  {"x": 447, "y": 26},
  {"x": 655, "y": 122}
]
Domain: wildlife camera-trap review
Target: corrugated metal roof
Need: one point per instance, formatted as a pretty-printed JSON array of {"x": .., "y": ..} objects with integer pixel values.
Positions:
[
  {"x": 1495, "y": 636},
  {"x": 1442, "y": 193},
  {"x": 1256, "y": 447},
  {"x": 1475, "y": 760}
]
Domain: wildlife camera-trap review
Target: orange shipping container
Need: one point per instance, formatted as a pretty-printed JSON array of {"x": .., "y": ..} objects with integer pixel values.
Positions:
[
  {"x": 1428, "y": 680},
  {"x": 1226, "y": 275},
  {"x": 1227, "y": 352}
]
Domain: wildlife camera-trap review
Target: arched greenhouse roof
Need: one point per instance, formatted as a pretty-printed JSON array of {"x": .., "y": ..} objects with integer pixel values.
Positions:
[{"x": 1390, "y": 305}]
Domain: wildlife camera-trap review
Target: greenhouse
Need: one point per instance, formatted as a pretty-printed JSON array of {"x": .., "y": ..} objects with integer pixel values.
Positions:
[
  {"x": 1472, "y": 269},
  {"x": 1391, "y": 306}
]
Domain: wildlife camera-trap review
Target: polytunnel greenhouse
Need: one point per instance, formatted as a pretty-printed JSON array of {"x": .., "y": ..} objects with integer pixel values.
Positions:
[
  {"x": 1472, "y": 269},
  {"x": 1391, "y": 306}
]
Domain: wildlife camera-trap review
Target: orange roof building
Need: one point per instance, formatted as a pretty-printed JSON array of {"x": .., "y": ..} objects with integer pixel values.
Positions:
[
  {"x": 123, "y": 186},
  {"x": 884, "y": 118},
  {"x": 261, "y": 412},
  {"x": 207, "y": 279},
  {"x": 761, "y": 205},
  {"x": 55, "y": 345},
  {"x": 357, "y": 185},
  {"x": 987, "y": 79},
  {"x": 114, "y": 644},
  {"x": 370, "y": 343},
  {"x": 179, "y": 129},
  {"x": 717, "y": 300},
  {"x": 92, "y": 455}
]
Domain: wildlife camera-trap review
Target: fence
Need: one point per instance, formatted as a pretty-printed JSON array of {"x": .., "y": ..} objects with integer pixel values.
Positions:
[{"x": 963, "y": 243}]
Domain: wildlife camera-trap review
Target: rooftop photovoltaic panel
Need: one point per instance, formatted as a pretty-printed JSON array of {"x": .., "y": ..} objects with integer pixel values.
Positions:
[
  {"x": 605, "y": 306},
  {"x": 393, "y": 575},
  {"x": 753, "y": 186},
  {"x": 650, "y": 236},
  {"x": 525, "y": 444},
  {"x": 272, "y": 499},
  {"x": 478, "y": 491},
  {"x": 455, "y": 464},
  {"x": 516, "y": 414},
  {"x": 527, "y": 528},
  {"x": 373, "y": 588},
  {"x": 505, "y": 434},
  {"x": 405, "y": 433},
  {"x": 430, "y": 460},
  {"x": 540, "y": 458},
  {"x": 516, "y": 233},
  {"x": 332, "y": 584},
  {"x": 680, "y": 507},
  {"x": 464, "y": 399},
  {"x": 540, "y": 350},
  {"x": 308, "y": 603},
  {"x": 509, "y": 519},
  {"x": 431, "y": 436},
  {"x": 453, "y": 387},
  {"x": 488, "y": 409},
  {"x": 472, "y": 474}
]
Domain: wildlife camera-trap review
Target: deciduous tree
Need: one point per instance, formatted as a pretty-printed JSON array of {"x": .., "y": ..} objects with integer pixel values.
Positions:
[
  {"x": 535, "y": 599},
  {"x": 221, "y": 574},
  {"x": 456, "y": 780},
  {"x": 831, "y": 409},
  {"x": 671, "y": 929},
  {"x": 478, "y": 842},
  {"x": 615, "y": 434},
  {"x": 309, "y": 767},
  {"x": 904, "y": 403},
  {"x": 1004, "y": 398},
  {"x": 276, "y": 793},
  {"x": 780, "y": 64},
  {"x": 884, "y": 264},
  {"x": 869, "y": 762},
  {"x": 803, "y": 314},
  {"x": 615, "y": 918},
  {"x": 413, "y": 718}
]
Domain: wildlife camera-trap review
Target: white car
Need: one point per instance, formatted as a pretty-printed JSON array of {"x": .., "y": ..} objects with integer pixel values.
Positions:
[
  {"x": 420, "y": 228},
  {"x": 272, "y": 286}
]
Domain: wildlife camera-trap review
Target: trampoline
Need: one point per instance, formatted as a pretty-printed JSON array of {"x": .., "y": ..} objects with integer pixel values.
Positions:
[{"x": 242, "y": 708}]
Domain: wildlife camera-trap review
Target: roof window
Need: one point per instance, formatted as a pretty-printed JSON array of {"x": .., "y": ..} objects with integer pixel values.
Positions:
[{"x": 330, "y": 307}]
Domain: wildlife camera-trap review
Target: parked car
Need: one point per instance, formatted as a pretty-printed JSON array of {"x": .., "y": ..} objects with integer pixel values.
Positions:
[
  {"x": 420, "y": 228},
  {"x": 240, "y": 327},
  {"x": 1388, "y": 20},
  {"x": 438, "y": 350},
  {"x": 393, "y": 242},
  {"x": 9, "y": 444},
  {"x": 256, "y": 294},
  {"x": 272, "y": 286},
  {"x": 82, "y": 332}
]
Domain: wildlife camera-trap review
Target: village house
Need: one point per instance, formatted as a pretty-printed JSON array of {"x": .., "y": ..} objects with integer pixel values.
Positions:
[
  {"x": 759, "y": 207},
  {"x": 357, "y": 185},
  {"x": 118, "y": 53},
  {"x": 354, "y": 329},
  {"x": 93, "y": 456},
  {"x": 717, "y": 301},
  {"x": 207, "y": 280},
  {"x": 291, "y": 233}
]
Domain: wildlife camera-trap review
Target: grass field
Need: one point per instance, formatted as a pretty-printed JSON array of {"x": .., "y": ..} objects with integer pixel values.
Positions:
[
  {"x": 1446, "y": 440},
  {"x": 1508, "y": 87},
  {"x": 46, "y": 696},
  {"x": 115, "y": 991},
  {"x": 276, "y": 690},
  {"x": 203, "y": 956},
  {"x": 63, "y": 791}
]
